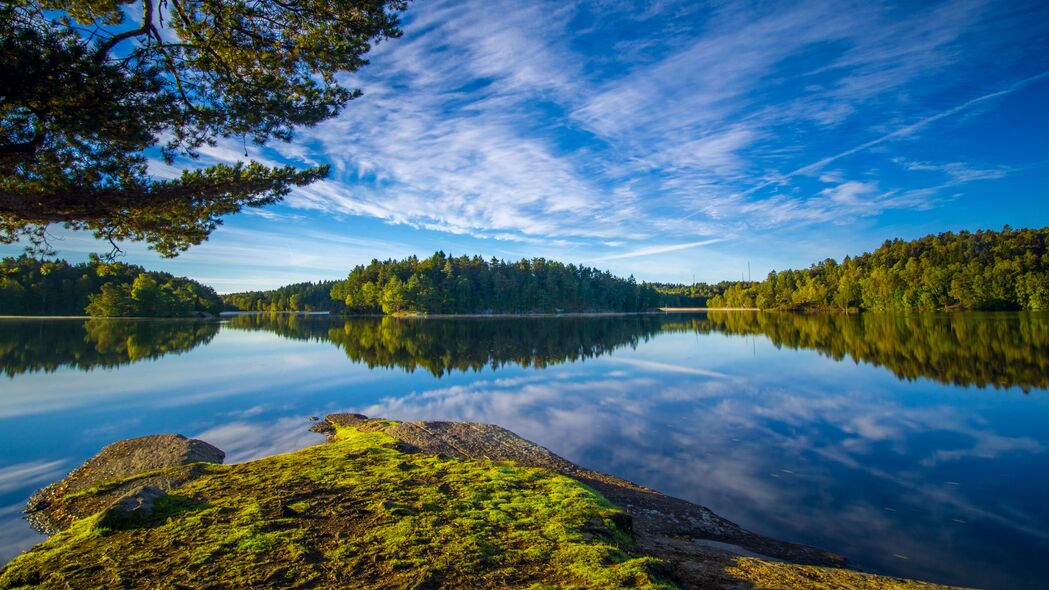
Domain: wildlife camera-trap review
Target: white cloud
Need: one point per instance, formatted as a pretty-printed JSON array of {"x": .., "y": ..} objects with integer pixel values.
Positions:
[
  {"x": 849, "y": 193},
  {"x": 30, "y": 474},
  {"x": 245, "y": 441}
]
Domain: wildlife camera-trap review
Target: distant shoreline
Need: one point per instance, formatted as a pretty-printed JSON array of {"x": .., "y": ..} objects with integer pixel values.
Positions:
[
  {"x": 90, "y": 317},
  {"x": 229, "y": 314},
  {"x": 705, "y": 309}
]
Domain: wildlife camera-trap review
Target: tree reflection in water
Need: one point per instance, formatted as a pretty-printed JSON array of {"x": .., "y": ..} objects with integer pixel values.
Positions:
[
  {"x": 46, "y": 345},
  {"x": 981, "y": 349}
]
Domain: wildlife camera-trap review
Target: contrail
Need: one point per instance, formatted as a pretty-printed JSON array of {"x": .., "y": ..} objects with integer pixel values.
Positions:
[
  {"x": 899, "y": 132},
  {"x": 660, "y": 249}
]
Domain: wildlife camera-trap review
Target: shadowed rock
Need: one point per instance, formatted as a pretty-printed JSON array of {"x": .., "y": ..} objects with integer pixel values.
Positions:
[{"x": 134, "y": 505}]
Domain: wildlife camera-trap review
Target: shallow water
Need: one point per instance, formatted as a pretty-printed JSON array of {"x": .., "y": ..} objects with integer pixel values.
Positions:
[{"x": 914, "y": 445}]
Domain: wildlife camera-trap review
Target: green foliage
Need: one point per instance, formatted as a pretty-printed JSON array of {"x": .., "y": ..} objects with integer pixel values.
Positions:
[
  {"x": 357, "y": 513},
  {"x": 89, "y": 85},
  {"x": 986, "y": 270},
  {"x": 29, "y": 286},
  {"x": 445, "y": 346},
  {"x": 694, "y": 295},
  {"x": 296, "y": 297},
  {"x": 445, "y": 284},
  {"x": 982, "y": 349}
]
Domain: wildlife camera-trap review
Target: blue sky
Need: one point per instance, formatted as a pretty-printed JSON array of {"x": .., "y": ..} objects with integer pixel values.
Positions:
[{"x": 668, "y": 140}]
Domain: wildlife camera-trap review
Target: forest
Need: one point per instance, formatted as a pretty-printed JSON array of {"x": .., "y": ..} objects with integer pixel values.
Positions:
[
  {"x": 445, "y": 284},
  {"x": 295, "y": 297},
  {"x": 33, "y": 287},
  {"x": 694, "y": 295},
  {"x": 983, "y": 270}
]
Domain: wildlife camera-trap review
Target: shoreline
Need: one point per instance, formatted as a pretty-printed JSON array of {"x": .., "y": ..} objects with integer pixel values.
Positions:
[
  {"x": 91, "y": 317},
  {"x": 228, "y": 315}
]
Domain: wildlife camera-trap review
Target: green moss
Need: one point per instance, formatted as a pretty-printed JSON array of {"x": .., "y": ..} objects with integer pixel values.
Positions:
[
  {"x": 353, "y": 513},
  {"x": 767, "y": 574}
]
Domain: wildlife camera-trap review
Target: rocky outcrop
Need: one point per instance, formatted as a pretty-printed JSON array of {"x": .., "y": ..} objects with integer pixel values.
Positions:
[
  {"x": 687, "y": 535},
  {"x": 160, "y": 461},
  {"x": 300, "y": 520}
]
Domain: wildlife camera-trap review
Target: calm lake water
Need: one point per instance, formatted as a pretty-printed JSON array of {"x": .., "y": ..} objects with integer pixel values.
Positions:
[{"x": 914, "y": 445}]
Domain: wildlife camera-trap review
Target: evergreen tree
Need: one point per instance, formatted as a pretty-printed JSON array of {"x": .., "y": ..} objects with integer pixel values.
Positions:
[
  {"x": 89, "y": 85},
  {"x": 447, "y": 284}
]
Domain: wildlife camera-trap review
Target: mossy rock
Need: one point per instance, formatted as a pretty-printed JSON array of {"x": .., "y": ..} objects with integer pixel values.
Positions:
[
  {"x": 359, "y": 513},
  {"x": 162, "y": 461},
  {"x": 371, "y": 510}
]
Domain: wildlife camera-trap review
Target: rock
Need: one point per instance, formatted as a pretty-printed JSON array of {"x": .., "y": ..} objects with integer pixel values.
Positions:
[
  {"x": 134, "y": 505},
  {"x": 54, "y": 507},
  {"x": 350, "y": 420},
  {"x": 323, "y": 427},
  {"x": 662, "y": 525},
  {"x": 327, "y": 426}
]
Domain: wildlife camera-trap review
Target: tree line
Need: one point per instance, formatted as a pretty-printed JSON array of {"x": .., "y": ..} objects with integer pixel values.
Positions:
[
  {"x": 694, "y": 295},
  {"x": 983, "y": 270},
  {"x": 33, "y": 287},
  {"x": 296, "y": 297},
  {"x": 446, "y": 284}
]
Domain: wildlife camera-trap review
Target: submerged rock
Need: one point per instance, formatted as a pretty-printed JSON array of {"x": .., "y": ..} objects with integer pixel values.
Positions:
[{"x": 396, "y": 505}]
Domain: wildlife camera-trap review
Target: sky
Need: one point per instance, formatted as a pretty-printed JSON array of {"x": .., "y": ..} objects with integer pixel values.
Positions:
[{"x": 672, "y": 141}]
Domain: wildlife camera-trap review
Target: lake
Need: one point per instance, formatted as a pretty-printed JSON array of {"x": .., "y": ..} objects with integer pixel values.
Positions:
[{"x": 915, "y": 445}]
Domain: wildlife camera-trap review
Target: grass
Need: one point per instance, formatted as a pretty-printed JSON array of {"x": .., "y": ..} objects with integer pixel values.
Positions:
[{"x": 353, "y": 513}]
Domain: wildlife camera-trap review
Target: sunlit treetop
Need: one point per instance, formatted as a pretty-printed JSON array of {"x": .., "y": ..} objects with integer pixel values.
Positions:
[{"x": 86, "y": 86}]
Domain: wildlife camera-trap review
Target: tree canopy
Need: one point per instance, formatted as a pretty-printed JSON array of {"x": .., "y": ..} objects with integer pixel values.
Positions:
[
  {"x": 90, "y": 89},
  {"x": 33, "y": 287},
  {"x": 447, "y": 284},
  {"x": 985, "y": 270},
  {"x": 295, "y": 297}
]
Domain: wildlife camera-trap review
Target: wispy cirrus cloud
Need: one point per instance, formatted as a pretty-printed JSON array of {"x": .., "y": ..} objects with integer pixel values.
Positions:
[
  {"x": 587, "y": 130},
  {"x": 507, "y": 128}
]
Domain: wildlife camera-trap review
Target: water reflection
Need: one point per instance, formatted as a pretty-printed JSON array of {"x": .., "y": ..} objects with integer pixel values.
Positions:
[
  {"x": 898, "y": 487},
  {"x": 996, "y": 350},
  {"x": 46, "y": 345},
  {"x": 883, "y": 459},
  {"x": 441, "y": 346},
  {"x": 981, "y": 349}
]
